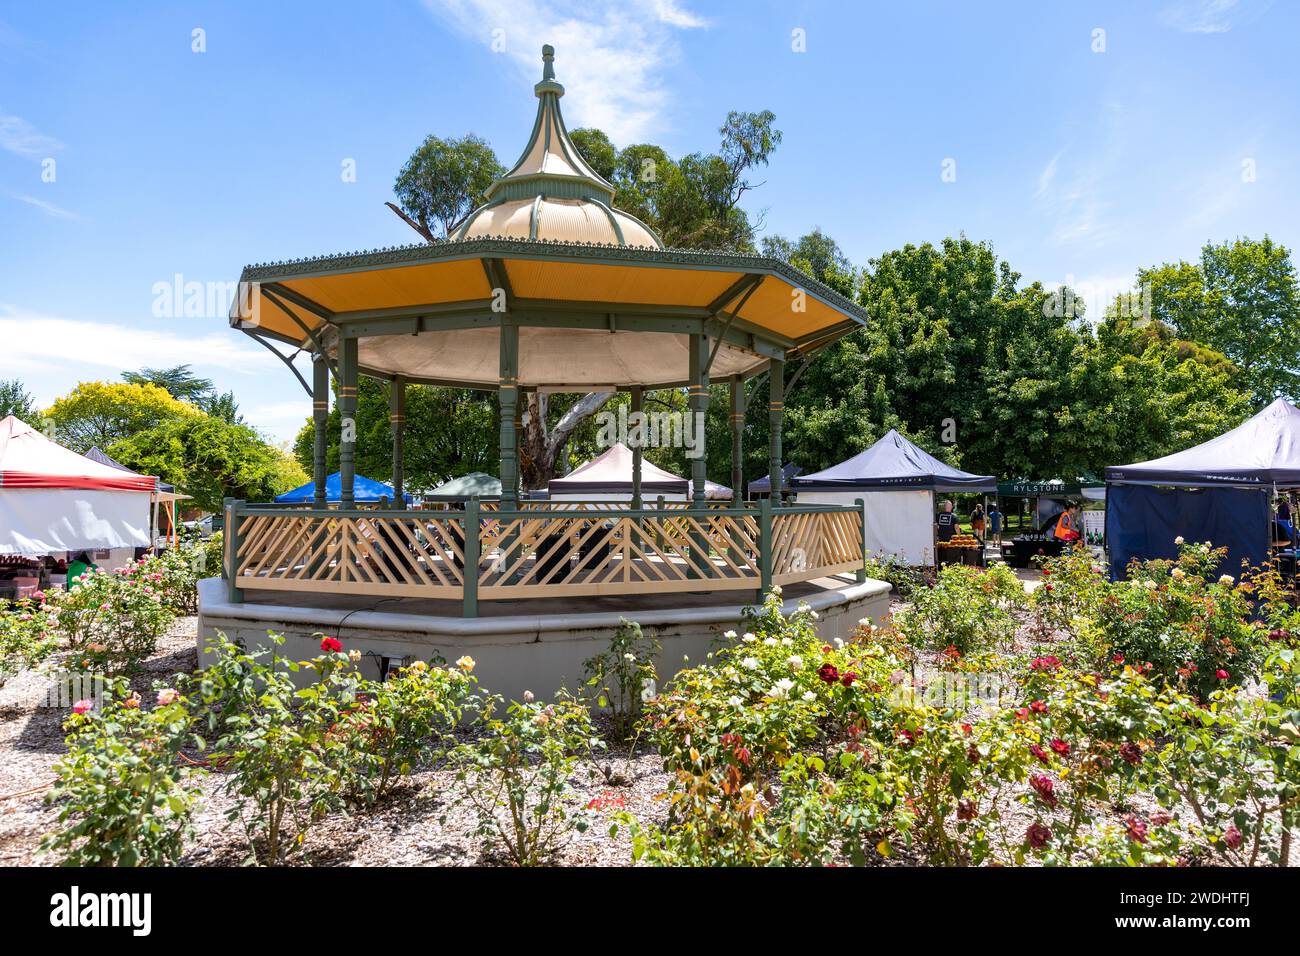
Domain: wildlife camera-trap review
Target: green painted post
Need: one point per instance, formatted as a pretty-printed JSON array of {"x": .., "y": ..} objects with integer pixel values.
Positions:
[
  {"x": 320, "y": 414},
  {"x": 397, "y": 419},
  {"x": 861, "y": 574},
  {"x": 775, "y": 417},
  {"x": 471, "y": 548},
  {"x": 764, "y": 547},
  {"x": 230, "y": 508},
  {"x": 508, "y": 395},
  {"x": 737, "y": 441},
  {"x": 347, "y": 420},
  {"x": 698, "y": 403},
  {"x": 636, "y": 449}
]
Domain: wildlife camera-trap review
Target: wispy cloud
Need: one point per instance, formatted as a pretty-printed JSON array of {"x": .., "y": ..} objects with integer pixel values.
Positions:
[
  {"x": 58, "y": 212},
  {"x": 612, "y": 57},
  {"x": 43, "y": 343},
  {"x": 21, "y": 137},
  {"x": 1212, "y": 16},
  {"x": 1047, "y": 176}
]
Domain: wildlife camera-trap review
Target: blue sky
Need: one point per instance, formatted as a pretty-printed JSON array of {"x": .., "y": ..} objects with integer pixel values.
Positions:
[{"x": 1080, "y": 155}]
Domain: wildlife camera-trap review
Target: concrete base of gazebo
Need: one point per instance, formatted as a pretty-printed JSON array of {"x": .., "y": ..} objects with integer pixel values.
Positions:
[{"x": 536, "y": 645}]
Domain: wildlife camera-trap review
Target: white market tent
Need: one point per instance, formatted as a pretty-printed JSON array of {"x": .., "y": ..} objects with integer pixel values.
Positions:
[
  {"x": 897, "y": 482},
  {"x": 53, "y": 500},
  {"x": 608, "y": 477}
]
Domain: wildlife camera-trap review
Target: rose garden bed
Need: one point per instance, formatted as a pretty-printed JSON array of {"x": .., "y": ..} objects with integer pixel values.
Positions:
[{"x": 1146, "y": 722}]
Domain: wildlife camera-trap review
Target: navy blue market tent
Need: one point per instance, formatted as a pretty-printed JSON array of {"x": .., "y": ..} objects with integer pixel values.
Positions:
[
  {"x": 894, "y": 462},
  {"x": 365, "y": 490},
  {"x": 762, "y": 486},
  {"x": 1263, "y": 451},
  {"x": 1218, "y": 491}
]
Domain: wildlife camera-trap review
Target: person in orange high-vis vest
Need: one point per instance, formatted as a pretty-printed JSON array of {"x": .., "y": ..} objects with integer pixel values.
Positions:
[{"x": 1067, "y": 526}]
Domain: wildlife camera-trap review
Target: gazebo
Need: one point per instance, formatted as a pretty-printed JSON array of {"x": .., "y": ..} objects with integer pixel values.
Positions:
[{"x": 545, "y": 287}]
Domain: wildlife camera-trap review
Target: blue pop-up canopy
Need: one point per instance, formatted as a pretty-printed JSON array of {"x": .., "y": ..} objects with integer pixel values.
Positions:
[
  {"x": 894, "y": 462},
  {"x": 1262, "y": 451},
  {"x": 364, "y": 490},
  {"x": 1216, "y": 491}
]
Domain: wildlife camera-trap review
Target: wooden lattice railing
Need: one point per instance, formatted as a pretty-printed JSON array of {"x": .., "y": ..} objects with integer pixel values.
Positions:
[{"x": 475, "y": 554}]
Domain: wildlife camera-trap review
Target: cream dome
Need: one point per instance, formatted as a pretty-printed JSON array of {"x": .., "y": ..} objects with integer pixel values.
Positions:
[{"x": 552, "y": 194}]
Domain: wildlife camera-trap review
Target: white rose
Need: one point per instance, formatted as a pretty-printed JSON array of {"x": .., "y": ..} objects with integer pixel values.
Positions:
[
  {"x": 730, "y": 635},
  {"x": 1178, "y": 540},
  {"x": 1226, "y": 580},
  {"x": 749, "y": 637},
  {"x": 735, "y": 701},
  {"x": 795, "y": 662},
  {"x": 750, "y": 663}
]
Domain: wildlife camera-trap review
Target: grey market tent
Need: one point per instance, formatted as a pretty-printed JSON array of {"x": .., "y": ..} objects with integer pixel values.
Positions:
[
  {"x": 475, "y": 484},
  {"x": 897, "y": 482},
  {"x": 1216, "y": 491}
]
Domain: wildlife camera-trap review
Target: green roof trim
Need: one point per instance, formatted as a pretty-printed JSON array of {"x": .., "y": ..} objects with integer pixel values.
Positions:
[{"x": 509, "y": 248}]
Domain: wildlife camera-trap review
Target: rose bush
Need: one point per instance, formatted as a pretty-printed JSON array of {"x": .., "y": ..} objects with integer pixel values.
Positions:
[
  {"x": 124, "y": 798},
  {"x": 111, "y": 621}
]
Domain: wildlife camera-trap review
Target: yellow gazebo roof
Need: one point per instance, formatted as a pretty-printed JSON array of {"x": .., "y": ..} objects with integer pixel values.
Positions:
[{"x": 597, "y": 298}]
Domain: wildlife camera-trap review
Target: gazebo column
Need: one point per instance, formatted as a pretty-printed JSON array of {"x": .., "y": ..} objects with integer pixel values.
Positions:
[
  {"x": 699, "y": 407},
  {"x": 737, "y": 441},
  {"x": 347, "y": 420},
  {"x": 636, "y": 449},
  {"x": 775, "y": 417},
  {"x": 508, "y": 395},
  {"x": 320, "y": 415},
  {"x": 397, "y": 419}
]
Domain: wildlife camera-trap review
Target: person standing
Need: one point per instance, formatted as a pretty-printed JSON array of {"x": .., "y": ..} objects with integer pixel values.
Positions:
[
  {"x": 977, "y": 522},
  {"x": 945, "y": 525},
  {"x": 78, "y": 566},
  {"x": 1067, "y": 526},
  {"x": 995, "y": 524}
]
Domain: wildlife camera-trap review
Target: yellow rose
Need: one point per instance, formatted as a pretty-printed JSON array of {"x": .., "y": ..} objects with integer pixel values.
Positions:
[{"x": 466, "y": 664}]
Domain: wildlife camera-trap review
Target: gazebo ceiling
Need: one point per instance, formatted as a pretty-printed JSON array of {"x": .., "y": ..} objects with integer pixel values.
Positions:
[{"x": 597, "y": 298}]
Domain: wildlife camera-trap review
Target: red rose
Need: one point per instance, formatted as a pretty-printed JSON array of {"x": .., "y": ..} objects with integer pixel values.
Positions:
[
  {"x": 1221, "y": 674},
  {"x": 1048, "y": 663},
  {"x": 966, "y": 728},
  {"x": 1118, "y": 658},
  {"x": 330, "y": 646},
  {"x": 1137, "y": 830},
  {"x": 848, "y": 679},
  {"x": 1022, "y": 713},
  {"x": 966, "y": 810},
  {"x": 1047, "y": 587},
  {"x": 1131, "y": 752},
  {"x": 1160, "y": 819},
  {"x": 1232, "y": 837},
  {"x": 829, "y": 673},
  {"x": 905, "y": 738},
  {"x": 1044, "y": 787},
  {"x": 1061, "y": 747},
  {"x": 1040, "y": 753},
  {"x": 1038, "y": 835},
  {"x": 1038, "y": 707}
]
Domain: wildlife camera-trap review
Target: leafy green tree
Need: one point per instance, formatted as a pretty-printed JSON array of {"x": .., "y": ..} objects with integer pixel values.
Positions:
[
  {"x": 185, "y": 386},
  {"x": 444, "y": 180},
  {"x": 1242, "y": 299},
  {"x": 17, "y": 401},
  {"x": 210, "y": 459},
  {"x": 101, "y": 413},
  {"x": 449, "y": 432}
]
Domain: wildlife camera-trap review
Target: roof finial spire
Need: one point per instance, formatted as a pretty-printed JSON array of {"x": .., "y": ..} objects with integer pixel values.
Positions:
[{"x": 548, "y": 62}]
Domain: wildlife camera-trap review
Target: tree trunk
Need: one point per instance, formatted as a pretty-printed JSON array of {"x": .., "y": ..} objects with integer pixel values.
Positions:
[{"x": 540, "y": 445}]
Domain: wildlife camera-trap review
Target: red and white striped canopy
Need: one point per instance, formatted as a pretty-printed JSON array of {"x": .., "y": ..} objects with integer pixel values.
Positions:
[{"x": 30, "y": 460}]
